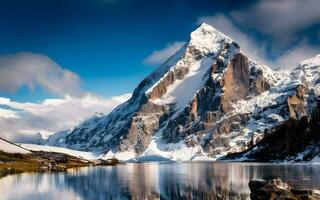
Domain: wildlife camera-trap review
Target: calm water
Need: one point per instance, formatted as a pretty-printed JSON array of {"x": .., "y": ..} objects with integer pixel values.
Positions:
[{"x": 200, "y": 180}]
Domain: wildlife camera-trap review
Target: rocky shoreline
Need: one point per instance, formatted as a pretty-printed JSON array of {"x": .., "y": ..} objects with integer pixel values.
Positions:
[{"x": 277, "y": 189}]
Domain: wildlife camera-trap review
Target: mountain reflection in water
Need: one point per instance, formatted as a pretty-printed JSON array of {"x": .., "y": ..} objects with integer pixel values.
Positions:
[{"x": 186, "y": 180}]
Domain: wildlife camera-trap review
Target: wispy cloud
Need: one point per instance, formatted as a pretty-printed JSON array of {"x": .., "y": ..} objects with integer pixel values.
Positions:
[
  {"x": 280, "y": 18},
  {"x": 31, "y": 70},
  {"x": 291, "y": 58},
  {"x": 160, "y": 56},
  {"x": 280, "y": 21},
  {"x": 21, "y": 122}
]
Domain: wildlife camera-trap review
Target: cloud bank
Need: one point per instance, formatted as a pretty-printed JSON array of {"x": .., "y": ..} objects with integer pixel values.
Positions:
[
  {"x": 160, "y": 56},
  {"x": 297, "y": 54},
  {"x": 280, "y": 20},
  {"x": 31, "y": 70},
  {"x": 21, "y": 122}
]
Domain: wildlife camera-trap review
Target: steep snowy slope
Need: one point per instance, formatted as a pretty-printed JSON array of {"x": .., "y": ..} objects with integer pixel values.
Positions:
[
  {"x": 308, "y": 73},
  {"x": 207, "y": 100}
]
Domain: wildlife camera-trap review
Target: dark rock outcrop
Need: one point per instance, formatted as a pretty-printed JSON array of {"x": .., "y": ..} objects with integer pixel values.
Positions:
[
  {"x": 296, "y": 103},
  {"x": 276, "y": 189}
]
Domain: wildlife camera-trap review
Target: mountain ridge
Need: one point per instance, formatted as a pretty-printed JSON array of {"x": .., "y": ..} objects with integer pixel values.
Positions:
[{"x": 207, "y": 100}]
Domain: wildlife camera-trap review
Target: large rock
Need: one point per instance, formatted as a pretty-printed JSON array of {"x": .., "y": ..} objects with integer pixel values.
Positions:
[{"x": 275, "y": 189}]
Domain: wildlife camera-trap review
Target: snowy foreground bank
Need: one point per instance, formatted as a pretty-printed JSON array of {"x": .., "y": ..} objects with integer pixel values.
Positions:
[{"x": 154, "y": 155}]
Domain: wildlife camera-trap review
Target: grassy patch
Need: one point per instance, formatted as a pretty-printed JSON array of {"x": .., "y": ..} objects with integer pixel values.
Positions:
[{"x": 40, "y": 161}]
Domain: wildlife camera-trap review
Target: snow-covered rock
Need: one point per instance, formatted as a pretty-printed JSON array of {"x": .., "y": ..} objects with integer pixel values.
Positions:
[{"x": 207, "y": 100}]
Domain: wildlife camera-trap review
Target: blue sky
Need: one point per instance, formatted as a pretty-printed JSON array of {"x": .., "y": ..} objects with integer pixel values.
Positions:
[
  {"x": 103, "y": 41},
  {"x": 106, "y": 42},
  {"x": 61, "y": 61}
]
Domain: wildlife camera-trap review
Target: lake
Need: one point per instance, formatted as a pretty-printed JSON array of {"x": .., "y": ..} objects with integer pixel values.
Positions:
[{"x": 164, "y": 180}]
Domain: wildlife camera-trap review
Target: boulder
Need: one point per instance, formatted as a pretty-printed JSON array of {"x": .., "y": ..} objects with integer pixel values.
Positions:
[{"x": 277, "y": 189}]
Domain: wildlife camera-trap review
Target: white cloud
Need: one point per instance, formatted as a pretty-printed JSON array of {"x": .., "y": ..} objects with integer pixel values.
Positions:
[
  {"x": 160, "y": 56},
  {"x": 248, "y": 44},
  {"x": 294, "y": 56},
  {"x": 280, "y": 18},
  {"x": 8, "y": 114},
  {"x": 30, "y": 69},
  {"x": 21, "y": 122}
]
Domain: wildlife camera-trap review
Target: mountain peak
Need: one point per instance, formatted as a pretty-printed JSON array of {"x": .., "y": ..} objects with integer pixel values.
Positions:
[
  {"x": 206, "y": 26},
  {"x": 207, "y": 38}
]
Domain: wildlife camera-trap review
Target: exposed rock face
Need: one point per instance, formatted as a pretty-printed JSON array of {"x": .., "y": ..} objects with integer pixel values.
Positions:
[
  {"x": 296, "y": 103},
  {"x": 143, "y": 125},
  {"x": 235, "y": 82},
  {"x": 198, "y": 115},
  {"x": 170, "y": 77},
  {"x": 200, "y": 118},
  {"x": 276, "y": 189},
  {"x": 218, "y": 140},
  {"x": 261, "y": 85}
]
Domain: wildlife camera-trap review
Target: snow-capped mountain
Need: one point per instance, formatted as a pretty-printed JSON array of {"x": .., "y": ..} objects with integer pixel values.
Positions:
[{"x": 207, "y": 100}]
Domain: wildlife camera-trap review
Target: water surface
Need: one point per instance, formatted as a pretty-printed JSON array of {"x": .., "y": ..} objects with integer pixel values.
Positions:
[{"x": 186, "y": 180}]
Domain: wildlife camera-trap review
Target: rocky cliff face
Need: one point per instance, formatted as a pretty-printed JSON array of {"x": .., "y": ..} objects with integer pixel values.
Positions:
[
  {"x": 296, "y": 103},
  {"x": 235, "y": 82},
  {"x": 207, "y": 100}
]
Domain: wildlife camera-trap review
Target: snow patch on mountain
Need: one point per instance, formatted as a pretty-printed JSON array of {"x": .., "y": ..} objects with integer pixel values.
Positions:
[
  {"x": 308, "y": 72},
  {"x": 182, "y": 91},
  {"x": 207, "y": 39}
]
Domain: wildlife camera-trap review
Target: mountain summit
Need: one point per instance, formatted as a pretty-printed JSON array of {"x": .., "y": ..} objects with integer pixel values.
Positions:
[{"x": 207, "y": 100}]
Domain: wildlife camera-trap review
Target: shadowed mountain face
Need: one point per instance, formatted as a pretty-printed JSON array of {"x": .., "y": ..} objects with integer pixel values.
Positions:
[{"x": 208, "y": 99}]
